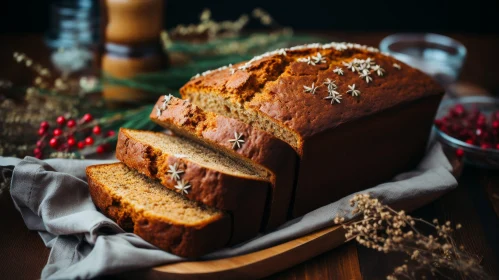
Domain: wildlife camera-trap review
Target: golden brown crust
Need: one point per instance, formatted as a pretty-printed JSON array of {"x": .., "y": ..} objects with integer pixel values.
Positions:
[
  {"x": 273, "y": 87},
  {"x": 362, "y": 154},
  {"x": 335, "y": 142},
  {"x": 187, "y": 119},
  {"x": 243, "y": 197},
  {"x": 183, "y": 240}
]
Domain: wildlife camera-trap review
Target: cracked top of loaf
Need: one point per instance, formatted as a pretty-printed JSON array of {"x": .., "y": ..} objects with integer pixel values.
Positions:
[{"x": 312, "y": 88}]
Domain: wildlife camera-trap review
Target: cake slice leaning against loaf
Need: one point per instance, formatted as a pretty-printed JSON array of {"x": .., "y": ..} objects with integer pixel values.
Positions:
[
  {"x": 236, "y": 139},
  {"x": 160, "y": 216},
  {"x": 200, "y": 174}
]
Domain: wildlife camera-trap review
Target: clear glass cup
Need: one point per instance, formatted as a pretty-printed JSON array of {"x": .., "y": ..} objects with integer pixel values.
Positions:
[
  {"x": 73, "y": 34},
  {"x": 439, "y": 56}
]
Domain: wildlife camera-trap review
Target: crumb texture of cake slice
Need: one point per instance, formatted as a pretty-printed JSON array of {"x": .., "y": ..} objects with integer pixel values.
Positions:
[
  {"x": 238, "y": 140},
  {"x": 160, "y": 216},
  {"x": 199, "y": 174}
]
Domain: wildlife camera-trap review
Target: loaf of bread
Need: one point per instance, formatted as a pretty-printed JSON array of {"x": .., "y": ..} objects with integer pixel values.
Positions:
[
  {"x": 160, "y": 216},
  {"x": 256, "y": 146},
  {"x": 355, "y": 117},
  {"x": 200, "y": 174},
  {"x": 286, "y": 132}
]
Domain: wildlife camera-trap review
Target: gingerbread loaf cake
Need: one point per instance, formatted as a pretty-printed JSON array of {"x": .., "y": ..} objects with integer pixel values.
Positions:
[
  {"x": 199, "y": 174},
  {"x": 237, "y": 139},
  {"x": 160, "y": 216},
  {"x": 354, "y": 116}
]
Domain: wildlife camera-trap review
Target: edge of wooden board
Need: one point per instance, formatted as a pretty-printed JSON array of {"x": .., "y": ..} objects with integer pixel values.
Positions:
[{"x": 253, "y": 265}]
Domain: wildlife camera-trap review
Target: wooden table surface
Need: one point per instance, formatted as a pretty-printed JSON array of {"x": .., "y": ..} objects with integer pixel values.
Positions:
[{"x": 23, "y": 254}]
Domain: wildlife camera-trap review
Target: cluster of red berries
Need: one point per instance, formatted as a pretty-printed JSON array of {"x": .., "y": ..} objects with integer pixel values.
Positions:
[
  {"x": 472, "y": 127},
  {"x": 65, "y": 136}
]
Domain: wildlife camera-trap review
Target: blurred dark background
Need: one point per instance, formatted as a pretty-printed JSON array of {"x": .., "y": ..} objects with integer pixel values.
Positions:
[{"x": 478, "y": 16}]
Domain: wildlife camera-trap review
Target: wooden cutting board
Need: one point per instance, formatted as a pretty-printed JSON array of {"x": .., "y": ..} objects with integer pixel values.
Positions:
[{"x": 253, "y": 265}]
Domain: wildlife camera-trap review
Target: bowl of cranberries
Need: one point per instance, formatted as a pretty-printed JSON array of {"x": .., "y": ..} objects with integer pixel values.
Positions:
[{"x": 470, "y": 126}]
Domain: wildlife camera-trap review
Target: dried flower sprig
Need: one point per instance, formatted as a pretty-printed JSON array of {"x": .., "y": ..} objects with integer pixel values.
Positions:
[
  {"x": 213, "y": 29},
  {"x": 383, "y": 229},
  {"x": 45, "y": 80}
]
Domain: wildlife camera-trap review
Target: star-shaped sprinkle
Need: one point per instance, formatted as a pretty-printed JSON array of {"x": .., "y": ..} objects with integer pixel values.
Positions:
[
  {"x": 330, "y": 83},
  {"x": 310, "y": 89},
  {"x": 238, "y": 140},
  {"x": 395, "y": 65},
  {"x": 331, "y": 90},
  {"x": 362, "y": 67},
  {"x": 166, "y": 100},
  {"x": 338, "y": 71},
  {"x": 369, "y": 61},
  {"x": 353, "y": 91},
  {"x": 366, "y": 75},
  {"x": 282, "y": 52},
  {"x": 175, "y": 171},
  {"x": 158, "y": 112},
  {"x": 307, "y": 59},
  {"x": 350, "y": 65},
  {"x": 334, "y": 97},
  {"x": 318, "y": 58},
  {"x": 183, "y": 186},
  {"x": 380, "y": 71}
]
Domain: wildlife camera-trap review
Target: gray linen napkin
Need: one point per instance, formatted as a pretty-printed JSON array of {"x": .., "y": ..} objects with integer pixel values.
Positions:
[{"x": 53, "y": 199}]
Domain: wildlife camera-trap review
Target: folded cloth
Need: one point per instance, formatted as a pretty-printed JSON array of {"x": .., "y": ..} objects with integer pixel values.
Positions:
[{"x": 53, "y": 199}]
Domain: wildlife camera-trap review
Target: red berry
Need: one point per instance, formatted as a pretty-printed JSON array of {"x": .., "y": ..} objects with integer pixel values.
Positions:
[
  {"x": 44, "y": 125},
  {"x": 497, "y": 146},
  {"x": 87, "y": 118},
  {"x": 61, "y": 120},
  {"x": 495, "y": 124},
  {"x": 481, "y": 122},
  {"x": 71, "y": 123},
  {"x": 81, "y": 145},
  {"x": 459, "y": 153},
  {"x": 458, "y": 110},
  {"x": 57, "y": 132},
  {"x": 100, "y": 149},
  {"x": 71, "y": 142},
  {"x": 54, "y": 143},
  {"x": 38, "y": 156},
  {"x": 485, "y": 146},
  {"x": 39, "y": 143},
  {"x": 110, "y": 133},
  {"x": 96, "y": 129},
  {"x": 89, "y": 141},
  {"x": 470, "y": 141},
  {"x": 42, "y": 131},
  {"x": 37, "y": 151}
]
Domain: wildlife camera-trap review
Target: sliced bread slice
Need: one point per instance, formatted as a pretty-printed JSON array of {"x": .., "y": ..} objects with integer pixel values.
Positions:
[
  {"x": 199, "y": 174},
  {"x": 238, "y": 140},
  {"x": 160, "y": 216}
]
